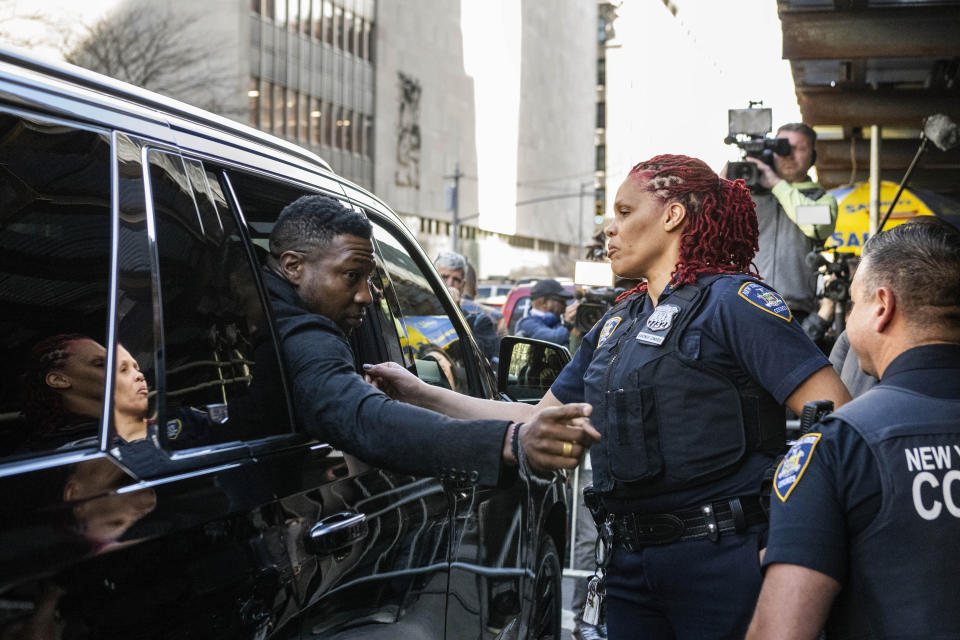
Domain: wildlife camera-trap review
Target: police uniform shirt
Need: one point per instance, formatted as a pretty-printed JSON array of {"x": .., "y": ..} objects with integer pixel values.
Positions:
[
  {"x": 837, "y": 492},
  {"x": 739, "y": 332}
]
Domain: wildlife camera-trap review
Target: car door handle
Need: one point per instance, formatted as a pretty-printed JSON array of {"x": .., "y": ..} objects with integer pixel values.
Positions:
[{"x": 336, "y": 532}]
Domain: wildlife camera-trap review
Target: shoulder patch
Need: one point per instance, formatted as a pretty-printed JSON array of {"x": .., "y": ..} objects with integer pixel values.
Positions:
[
  {"x": 608, "y": 328},
  {"x": 794, "y": 464},
  {"x": 174, "y": 427},
  {"x": 766, "y": 299}
]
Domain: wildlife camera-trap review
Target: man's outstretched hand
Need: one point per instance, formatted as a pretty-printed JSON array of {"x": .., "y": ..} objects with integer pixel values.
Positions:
[
  {"x": 558, "y": 437},
  {"x": 396, "y": 382}
]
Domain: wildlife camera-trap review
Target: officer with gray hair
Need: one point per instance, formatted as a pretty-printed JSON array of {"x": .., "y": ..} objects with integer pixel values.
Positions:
[{"x": 865, "y": 515}]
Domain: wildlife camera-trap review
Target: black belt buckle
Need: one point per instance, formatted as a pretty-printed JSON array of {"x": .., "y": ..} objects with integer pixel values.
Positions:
[{"x": 659, "y": 528}]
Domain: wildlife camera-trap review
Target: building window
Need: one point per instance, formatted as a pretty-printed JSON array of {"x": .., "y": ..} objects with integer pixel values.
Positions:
[
  {"x": 367, "y": 52},
  {"x": 601, "y": 71},
  {"x": 601, "y": 115},
  {"x": 327, "y": 122},
  {"x": 303, "y": 119},
  {"x": 293, "y": 14},
  {"x": 338, "y": 27},
  {"x": 316, "y": 15},
  {"x": 291, "y": 113},
  {"x": 277, "y": 124},
  {"x": 253, "y": 95},
  {"x": 601, "y": 159},
  {"x": 305, "y": 16},
  {"x": 341, "y": 117},
  {"x": 265, "y": 110},
  {"x": 367, "y": 136},
  {"x": 348, "y": 130},
  {"x": 280, "y": 12},
  {"x": 348, "y": 32},
  {"x": 327, "y": 22},
  {"x": 316, "y": 120},
  {"x": 255, "y": 6}
]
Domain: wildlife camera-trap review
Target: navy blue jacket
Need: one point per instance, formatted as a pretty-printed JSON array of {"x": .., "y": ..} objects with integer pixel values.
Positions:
[
  {"x": 333, "y": 403},
  {"x": 483, "y": 325},
  {"x": 742, "y": 330},
  {"x": 544, "y": 327},
  {"x": 869, "y": 497}
]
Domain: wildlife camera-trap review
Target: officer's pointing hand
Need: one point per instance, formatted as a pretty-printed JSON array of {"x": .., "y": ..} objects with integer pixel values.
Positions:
[{"x": 557, "y": 437}]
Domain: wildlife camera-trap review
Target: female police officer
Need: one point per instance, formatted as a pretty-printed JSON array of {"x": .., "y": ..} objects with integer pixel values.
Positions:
[{"x": 687, "y": 375}]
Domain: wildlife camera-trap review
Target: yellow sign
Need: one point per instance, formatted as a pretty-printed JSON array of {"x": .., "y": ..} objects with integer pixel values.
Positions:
[{"x": 853, "y": 216}]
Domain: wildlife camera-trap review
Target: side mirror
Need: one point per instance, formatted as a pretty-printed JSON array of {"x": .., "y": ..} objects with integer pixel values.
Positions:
[{"x": 529, "y": 367}]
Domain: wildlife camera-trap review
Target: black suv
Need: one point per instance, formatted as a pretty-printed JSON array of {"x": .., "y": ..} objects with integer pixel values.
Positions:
[{"x": 132, "y": 232}]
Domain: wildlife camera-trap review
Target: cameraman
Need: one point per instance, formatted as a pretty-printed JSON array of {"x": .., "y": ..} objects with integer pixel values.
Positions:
[
  {"x": 549, "y": 316},
  {"x": 783, "y": 242}
]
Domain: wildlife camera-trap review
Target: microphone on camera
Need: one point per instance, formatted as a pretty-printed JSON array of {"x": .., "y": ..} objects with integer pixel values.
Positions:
[{"x": 942, "y": 131}]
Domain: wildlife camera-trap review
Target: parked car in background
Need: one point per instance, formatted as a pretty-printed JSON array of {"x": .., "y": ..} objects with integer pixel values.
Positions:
[
  {"x": 133, "y": 233},
  {"x": 493, "y": 295}
]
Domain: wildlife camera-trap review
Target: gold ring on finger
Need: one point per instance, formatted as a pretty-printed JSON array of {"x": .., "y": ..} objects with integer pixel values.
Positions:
[{"x": 567, "y": 449}]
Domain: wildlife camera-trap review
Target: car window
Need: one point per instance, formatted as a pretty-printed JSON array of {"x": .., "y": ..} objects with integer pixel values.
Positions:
[
  {"x": 54, "y": 279},
  {"x": 428, "y": 337},
  {"x": 221, "y": 381}
]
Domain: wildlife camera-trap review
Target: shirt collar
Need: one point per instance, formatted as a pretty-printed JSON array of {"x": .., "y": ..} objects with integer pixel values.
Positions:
[
  {"x": 537, "y": 312},
  {"x": 920, "y": 359}
]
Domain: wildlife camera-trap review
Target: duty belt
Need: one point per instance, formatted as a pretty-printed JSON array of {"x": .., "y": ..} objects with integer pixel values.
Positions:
[{"x": 632, "y": 531}]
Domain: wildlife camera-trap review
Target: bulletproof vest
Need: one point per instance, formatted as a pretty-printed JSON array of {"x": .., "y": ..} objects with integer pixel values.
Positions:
[
  {"x": 669, "y": 421},
  {"x": 782, "y": 250},
  {"x": 903, "y": 567}
]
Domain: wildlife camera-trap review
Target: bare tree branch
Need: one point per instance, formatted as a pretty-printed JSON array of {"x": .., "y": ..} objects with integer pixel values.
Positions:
[{"x": 151, "y": 46}]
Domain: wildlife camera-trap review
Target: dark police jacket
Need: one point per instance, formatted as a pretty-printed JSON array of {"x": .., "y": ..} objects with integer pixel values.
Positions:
[
  {"x": 333, "y": 403},
  {"x": 688, "y": 394},
  {"x": 873, "y": 500},
  {"x": 915, "y": 440}
]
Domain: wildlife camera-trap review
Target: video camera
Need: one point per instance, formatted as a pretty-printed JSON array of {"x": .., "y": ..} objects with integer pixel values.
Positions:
[
  {"x": 837, "y": 289},
  {"x": 748, "y": 129},
  {"x": 594, "y": 302}
]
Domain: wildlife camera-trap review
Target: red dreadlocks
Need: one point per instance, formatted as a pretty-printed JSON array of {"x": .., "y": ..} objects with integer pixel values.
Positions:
[{"x": 721, "y": 232}]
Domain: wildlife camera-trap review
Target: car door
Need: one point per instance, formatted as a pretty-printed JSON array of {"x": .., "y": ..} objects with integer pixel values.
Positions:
[
  {"x": 103, "y": 536},
  {"x": 487, "y": 536},
  {"x": 373, "y": 543}
]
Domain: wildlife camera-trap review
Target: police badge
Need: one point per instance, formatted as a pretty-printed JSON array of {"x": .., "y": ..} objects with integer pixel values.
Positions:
[
  {"x": 662, "y": 317},
  {"x": 660, "y": 320}
]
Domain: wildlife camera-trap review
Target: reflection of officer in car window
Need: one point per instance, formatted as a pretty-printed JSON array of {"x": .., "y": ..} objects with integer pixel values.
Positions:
[
  {"x": 63, "y": 397},
  {"x": 321, "y": 256},
  {"x": 62, "y": 390}
]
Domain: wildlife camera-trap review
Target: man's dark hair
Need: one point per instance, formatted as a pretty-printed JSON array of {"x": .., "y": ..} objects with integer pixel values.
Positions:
[
  {"x": 920, "y": 262},
  {"x": 799, "y": 127},
  {"x": 314, "y": 221}
]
